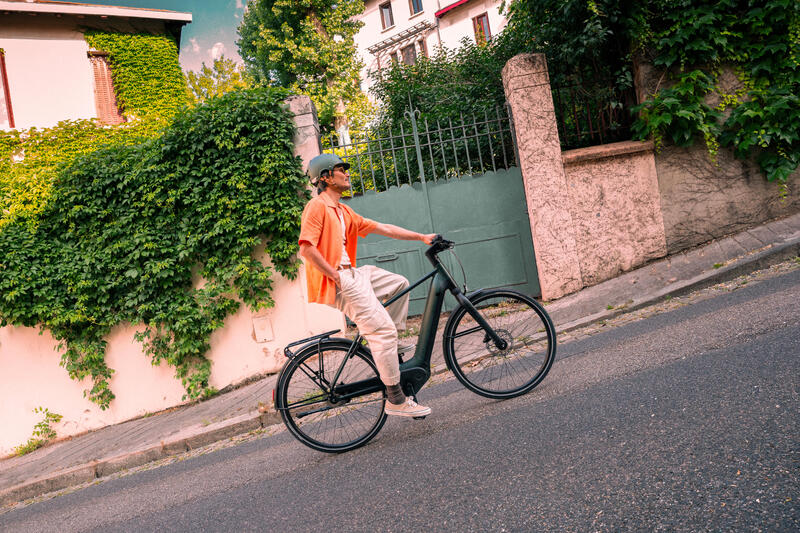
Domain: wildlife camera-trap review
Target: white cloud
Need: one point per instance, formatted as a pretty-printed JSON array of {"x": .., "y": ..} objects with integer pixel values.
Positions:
[
  {"x": 216, "y": 51},
  {"x": 195, "y": 45}
]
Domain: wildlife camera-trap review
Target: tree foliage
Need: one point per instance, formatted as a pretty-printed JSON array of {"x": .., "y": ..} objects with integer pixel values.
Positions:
[
  {"x": 449, "y": 83},
  {"x": 306, "y": 46},
  {"x": 223, "y": 76},
  {"x": 691, "y": 41},
  {"x": 126, "y": 231}
]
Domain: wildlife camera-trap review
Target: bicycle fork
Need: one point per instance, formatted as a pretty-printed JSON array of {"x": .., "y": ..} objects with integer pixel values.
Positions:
[{"x": 490, "y": 333}]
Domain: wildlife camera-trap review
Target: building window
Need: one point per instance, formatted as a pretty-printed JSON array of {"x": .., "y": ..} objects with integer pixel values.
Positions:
[
  {"x": 6, "y": 113},
  {"x": 105, "y": 99},
  {"x": 481, "y": 26},
  {"x": 415, "y": 6},
  {"x": 387, "y": 19},
  {"x": 409, "y": 54}
]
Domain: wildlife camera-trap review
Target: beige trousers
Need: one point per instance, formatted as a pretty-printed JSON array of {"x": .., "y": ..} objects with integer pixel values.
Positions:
[{"x": 359, "y": 296}]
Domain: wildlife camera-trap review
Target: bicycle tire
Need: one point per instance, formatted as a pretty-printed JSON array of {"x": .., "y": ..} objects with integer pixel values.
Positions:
[
  {"x": 488, "y": 371},
  {"x": 332, "y": 428}
]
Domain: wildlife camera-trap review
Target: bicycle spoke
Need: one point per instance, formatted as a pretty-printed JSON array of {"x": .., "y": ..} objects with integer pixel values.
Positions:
[
  {"x": 501, "y": 373},
  {"x": 331, "y": 426}
]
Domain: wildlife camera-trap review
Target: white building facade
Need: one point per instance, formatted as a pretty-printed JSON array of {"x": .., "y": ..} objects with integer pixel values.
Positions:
[
  {"x": 48, "y": 72},
  {"x": 404, "y": 30}
]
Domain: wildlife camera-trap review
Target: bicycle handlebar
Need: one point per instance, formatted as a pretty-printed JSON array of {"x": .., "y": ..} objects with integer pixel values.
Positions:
[{"x": 438, "y": 245}]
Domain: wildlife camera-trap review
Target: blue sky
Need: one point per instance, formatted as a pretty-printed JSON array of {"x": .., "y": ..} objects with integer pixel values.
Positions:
[{"x": 212, "y": 31}]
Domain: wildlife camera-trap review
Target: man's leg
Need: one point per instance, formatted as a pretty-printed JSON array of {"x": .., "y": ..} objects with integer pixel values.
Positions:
[
  {"x": 386, "y": 285},
  {"x": 357, "y": 299}
]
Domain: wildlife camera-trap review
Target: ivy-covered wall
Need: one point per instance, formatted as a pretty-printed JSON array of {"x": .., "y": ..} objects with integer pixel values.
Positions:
[
  {"x": 147, "y": 76},
  {"x": 124, "y": 229},
  {"x": 150, "y": 88}
]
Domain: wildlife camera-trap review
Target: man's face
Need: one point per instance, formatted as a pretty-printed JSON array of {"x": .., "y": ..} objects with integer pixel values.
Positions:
[{"x": 339, "y": 180}]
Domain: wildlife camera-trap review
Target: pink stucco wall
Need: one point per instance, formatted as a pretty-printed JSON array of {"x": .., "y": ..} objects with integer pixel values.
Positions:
[
  {"x": 594, "y": 212},
  {"x": 248, "y": 344},
  {"x": 615, "y": 207}
]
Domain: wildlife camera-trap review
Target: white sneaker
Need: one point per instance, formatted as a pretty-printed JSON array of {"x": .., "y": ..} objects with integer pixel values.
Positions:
[{"x": 407, "y": 408}]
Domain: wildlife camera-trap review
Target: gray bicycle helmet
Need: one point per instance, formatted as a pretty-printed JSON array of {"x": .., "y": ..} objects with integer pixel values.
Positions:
[{"x": 324, "y": 162}]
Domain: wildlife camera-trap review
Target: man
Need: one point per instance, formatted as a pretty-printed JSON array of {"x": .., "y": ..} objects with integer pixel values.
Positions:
[{"x": 328, "y": 238}]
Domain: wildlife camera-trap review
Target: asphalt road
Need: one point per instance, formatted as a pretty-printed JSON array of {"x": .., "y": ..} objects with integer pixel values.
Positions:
[{"x": 685, "y": 421}]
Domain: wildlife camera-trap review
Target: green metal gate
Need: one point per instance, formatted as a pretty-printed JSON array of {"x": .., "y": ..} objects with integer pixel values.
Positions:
[{"x": 457, "y": 178}]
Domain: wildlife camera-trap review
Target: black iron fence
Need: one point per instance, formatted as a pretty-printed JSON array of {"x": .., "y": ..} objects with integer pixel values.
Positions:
[
  {"x": 595, "y": 114},
  {"x": 422, "y": 149}
]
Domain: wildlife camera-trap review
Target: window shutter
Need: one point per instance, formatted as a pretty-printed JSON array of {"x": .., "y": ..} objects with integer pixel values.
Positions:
[
  {"x": 105, "y": 99},
  {"x": 6, "y": 112}
]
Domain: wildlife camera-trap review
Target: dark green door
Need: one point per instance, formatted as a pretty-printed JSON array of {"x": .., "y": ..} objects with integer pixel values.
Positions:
[
  {"x": 485, "y": 215},
  {"x": 456, "y": 177}
]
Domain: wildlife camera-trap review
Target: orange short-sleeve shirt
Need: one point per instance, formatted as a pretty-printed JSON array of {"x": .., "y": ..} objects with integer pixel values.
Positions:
[{"x": 320, "y": 227}]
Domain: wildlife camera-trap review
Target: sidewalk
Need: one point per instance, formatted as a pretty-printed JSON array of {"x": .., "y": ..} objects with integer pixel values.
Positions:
[{"x": 137, "y": 442}]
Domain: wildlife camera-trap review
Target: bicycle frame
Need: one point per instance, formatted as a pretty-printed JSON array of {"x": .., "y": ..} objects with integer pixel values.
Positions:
[{"x": 415, "y": 372}]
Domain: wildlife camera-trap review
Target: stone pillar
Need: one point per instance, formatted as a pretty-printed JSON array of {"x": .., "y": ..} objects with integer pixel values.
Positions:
[
  {"x": 527, "y": 88},
  {"x": 307, "y": 143}
]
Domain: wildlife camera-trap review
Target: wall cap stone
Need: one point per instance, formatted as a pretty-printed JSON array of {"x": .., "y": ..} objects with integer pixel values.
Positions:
[{"x": 591, "y": 153}]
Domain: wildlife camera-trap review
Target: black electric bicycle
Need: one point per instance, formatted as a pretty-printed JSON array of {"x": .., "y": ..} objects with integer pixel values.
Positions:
[{"x": 499, "y": 343}]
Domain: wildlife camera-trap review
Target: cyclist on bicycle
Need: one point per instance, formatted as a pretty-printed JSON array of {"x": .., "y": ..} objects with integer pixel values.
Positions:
[{"x": 328, "y": 240}]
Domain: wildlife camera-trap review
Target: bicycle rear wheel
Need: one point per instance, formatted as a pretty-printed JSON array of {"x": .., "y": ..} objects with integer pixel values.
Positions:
[
  {"x": 483, "y": 368},
  {"x": 322, "y": 420}
]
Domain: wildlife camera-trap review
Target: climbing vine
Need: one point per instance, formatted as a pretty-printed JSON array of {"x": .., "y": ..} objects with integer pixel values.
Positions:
[
  {"x": 160, "y": 233},
  {"x": 29, "y": 160},
  {"x": 147, "y": 76},
  {"x": 692, "y": 42}
]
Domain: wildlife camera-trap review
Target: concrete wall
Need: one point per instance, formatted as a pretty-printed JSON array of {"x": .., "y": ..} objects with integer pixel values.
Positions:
[
  {"x": 594, "y": 212},
  {"x": 703, "y": 199},
  {"x": 248, "y": 344},
  {"x": 603, "y": 210},
  {"x": 615, "y": 206}
]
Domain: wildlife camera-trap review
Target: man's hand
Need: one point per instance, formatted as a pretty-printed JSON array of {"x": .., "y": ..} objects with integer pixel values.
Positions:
[
  {"x": 311, "y": 254},
  {"x": 337, "y": 279},
  {"x": 428, "y": 239}
]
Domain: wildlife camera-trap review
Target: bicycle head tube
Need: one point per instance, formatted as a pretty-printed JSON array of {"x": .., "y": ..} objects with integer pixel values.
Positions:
[{"x": 438, "y": 245}]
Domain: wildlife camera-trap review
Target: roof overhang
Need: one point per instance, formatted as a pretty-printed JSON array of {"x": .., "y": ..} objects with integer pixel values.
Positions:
[
  {"x": 74, "y": 8},
  {"x": 439, "y": 14},
  {"x": 400, "y": 37}
]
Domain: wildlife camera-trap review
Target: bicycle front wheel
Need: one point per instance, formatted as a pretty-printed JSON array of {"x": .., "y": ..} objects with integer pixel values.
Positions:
[
  {"x": 483, "y": 368},
  {"x": 321, "y": 418}
]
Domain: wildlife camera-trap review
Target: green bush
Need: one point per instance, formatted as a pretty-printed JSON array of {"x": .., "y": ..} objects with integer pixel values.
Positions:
[
  {"x": 42, "y": 432},
  {"x": 126, "y": 228},
  {"x": 691, "y": 42}
]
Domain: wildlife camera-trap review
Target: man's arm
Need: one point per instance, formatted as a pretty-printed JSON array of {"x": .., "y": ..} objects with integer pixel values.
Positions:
[
  {"x": 310, "y": 253},
  {"x": 396, "y": 232}
]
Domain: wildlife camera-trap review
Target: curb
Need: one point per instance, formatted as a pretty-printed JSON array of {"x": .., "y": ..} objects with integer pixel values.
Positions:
[
  {"x": 190, "y": 440},
  {"x": 100, "y": 468},
  {"x": 772, "y": 255}
]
